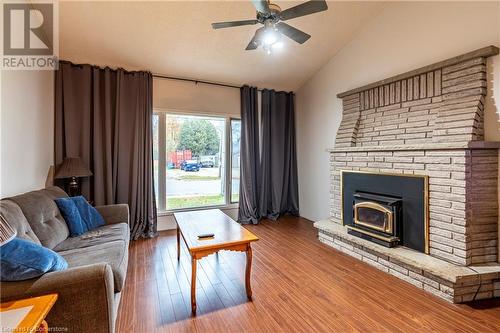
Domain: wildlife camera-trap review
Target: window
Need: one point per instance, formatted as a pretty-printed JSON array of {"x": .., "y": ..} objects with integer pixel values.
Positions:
[{"x": 190, "y": 154}]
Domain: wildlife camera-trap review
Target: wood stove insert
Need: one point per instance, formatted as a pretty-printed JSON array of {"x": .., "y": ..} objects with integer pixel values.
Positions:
[
  {"x": 377, "y": 218},
  {"x": 388, "y": 209}
]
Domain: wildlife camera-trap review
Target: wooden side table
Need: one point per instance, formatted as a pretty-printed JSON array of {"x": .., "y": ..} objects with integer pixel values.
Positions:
[{"x": 26, "y": 315}]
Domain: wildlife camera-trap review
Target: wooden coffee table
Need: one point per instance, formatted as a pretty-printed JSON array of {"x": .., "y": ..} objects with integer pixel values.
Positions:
[{"x": 228, "y": 235}]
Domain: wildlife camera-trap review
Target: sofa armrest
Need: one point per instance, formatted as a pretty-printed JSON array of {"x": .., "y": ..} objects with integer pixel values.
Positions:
[
  {"x": 85, "y": 302},
  {"x": 114, "y": 213}
]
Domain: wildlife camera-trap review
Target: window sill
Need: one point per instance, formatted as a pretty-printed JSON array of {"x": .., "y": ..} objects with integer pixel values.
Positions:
[{"x": 171, "y": 212}]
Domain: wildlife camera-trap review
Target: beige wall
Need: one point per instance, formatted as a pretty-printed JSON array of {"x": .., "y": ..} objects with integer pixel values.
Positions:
[
  {"x": 27, "y": 130},
  {"x": 403, "y": 37}
]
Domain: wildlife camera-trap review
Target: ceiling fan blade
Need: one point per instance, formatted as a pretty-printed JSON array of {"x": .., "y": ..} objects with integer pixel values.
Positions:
[
  {"x": 220, "y": 25},
  {"x": 262, "y": 6},
  {"x": 253, "y": 44},
  {"x": 306, "y": 8},
  {"x": 292, "y": 33}
]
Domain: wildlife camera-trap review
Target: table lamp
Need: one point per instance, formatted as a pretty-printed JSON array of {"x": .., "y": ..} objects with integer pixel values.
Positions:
[{"x": 73, "y": 168}]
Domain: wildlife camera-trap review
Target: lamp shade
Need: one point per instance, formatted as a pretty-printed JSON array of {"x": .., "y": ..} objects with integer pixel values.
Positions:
[
  {"x": 7, "y": 233},
  {"x": 72, "y": 167}
]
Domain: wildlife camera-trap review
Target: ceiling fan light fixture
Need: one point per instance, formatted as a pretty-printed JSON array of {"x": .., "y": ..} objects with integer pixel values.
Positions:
[
  {"x": 278, "y": 45},
  {"x": 271, "y": 35},
  {"x": 275, "y": 47},
  {"x": 271, "y": 16}
]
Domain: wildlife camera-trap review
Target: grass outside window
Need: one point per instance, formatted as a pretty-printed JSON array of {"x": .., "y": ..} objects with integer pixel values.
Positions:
[{"x": 194, "y": 201}]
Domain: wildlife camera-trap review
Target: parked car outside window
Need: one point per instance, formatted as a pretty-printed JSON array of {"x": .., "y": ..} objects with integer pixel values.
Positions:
[
  {"x": 206, "y": 164},
  {"x": 191, "y": 165}
]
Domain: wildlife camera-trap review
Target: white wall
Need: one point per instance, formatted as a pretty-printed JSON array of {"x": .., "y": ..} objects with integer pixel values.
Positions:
[
  {"x": 403, "y": 37},
  {"x": 188, "y": 96},
  {"x": 27, "y": 130}
]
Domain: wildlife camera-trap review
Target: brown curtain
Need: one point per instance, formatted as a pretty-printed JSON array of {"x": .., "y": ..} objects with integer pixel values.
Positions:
[
  {"x": 104, "y": 116},
  {"x": 248, "y": 212},
  {"x": 278, "y": 184},
  {"x": 268, "y": 181}
]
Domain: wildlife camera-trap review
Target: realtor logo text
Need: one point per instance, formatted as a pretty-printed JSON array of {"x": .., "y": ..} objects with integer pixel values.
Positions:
[{"x": 29, "y": 36}]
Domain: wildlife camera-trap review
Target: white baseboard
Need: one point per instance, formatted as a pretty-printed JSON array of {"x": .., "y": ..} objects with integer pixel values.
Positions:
[{"x": 166, "y": 222}]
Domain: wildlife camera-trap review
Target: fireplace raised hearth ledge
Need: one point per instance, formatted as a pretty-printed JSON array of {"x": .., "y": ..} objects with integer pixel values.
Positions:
[
  {"x": 426, "y": 146},
  {"x": 454, "y": 283}
]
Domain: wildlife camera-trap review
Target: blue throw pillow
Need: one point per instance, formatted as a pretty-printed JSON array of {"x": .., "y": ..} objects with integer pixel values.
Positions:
[
  {"x": 72, "y": 216},
  {"x": 90, "y": 216},
  {"x": 22, "y": 260}
]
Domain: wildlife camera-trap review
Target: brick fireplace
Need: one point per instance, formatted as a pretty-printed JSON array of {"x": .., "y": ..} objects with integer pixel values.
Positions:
[{"x": 429, "y": 123}]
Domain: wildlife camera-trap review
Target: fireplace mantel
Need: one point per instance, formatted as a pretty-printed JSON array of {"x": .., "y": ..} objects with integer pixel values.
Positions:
[{"x": 426, "y": 146}]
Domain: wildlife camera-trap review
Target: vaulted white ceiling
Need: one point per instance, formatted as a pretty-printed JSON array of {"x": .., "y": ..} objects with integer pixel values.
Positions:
[{"x": 176, "y": 39}]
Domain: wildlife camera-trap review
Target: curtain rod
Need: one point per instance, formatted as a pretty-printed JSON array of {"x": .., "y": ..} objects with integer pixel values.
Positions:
[{"x": 197, "y": 81}]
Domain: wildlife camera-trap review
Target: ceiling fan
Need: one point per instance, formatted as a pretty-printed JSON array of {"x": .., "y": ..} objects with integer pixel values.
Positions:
[{"x": 271, "y": 16}]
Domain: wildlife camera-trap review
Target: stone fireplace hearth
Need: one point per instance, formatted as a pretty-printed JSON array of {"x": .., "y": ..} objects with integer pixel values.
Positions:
[{"x": 427, "y": 123}]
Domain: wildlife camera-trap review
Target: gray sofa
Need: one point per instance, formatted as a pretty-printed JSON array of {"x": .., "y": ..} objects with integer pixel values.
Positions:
[{"x": 89, "y": 290}]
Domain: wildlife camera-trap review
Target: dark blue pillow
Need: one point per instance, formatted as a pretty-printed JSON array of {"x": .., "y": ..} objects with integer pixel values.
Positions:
[
  {"x": 23, "y": 260},
  {"x": 90, "y": 216},
  {"x": 72, "y": 216}
]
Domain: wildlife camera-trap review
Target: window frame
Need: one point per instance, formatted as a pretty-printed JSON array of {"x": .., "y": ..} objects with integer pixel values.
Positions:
[
  {"x": 230, "y": 170},
  {"x": 162, "y": 113}
]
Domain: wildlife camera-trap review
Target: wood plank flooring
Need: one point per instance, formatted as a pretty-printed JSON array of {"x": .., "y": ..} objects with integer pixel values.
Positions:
[{"x": 298, "y": 283}]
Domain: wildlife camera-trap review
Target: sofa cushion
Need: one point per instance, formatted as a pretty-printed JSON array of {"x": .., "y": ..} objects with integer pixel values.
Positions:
[
  {"x": 11, "y": 212},
  {"x": 101, "y": 235},
  {"x": 90, "y": 216},
  {"x": 22, "y": 259},
  {"x": 43, "y": 215},
  {"x": 72, "y": 217},
  {"x": 112, "y": 252}
]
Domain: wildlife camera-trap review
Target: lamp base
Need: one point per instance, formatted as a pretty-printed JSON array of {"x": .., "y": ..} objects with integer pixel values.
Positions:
[{"x": 74, "y": 187}]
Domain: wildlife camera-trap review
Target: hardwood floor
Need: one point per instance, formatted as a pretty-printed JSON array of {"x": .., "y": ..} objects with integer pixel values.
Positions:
[{"x": 299, "y": 285}]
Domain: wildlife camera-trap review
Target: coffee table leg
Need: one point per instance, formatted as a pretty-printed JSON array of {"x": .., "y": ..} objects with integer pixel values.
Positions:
[
  {"x": 193, "y": 285},
  {"x": 178, "y": 244},
  {"x": 247, "y": 272}
]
